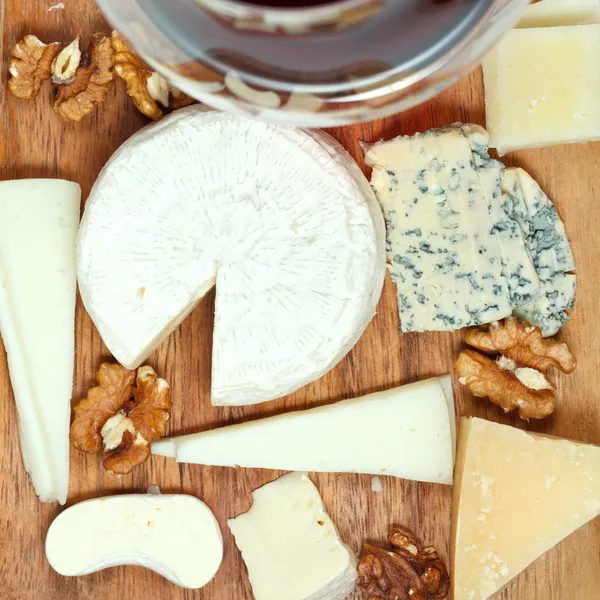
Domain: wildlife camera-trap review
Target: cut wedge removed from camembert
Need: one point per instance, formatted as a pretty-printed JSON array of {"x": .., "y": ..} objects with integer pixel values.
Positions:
[
  {"x": 406, "y": 432},
  {"x": 281, "y": 219},
  {"x": 516, "y": 496},
  {"x": 38, "y": 227}
]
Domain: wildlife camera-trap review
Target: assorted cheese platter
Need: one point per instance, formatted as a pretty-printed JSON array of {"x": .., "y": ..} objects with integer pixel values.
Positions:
[{"x": 314, "y": 429}]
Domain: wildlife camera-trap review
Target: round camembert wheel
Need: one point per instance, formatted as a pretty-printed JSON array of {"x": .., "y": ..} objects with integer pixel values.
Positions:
[{"x": 282, "y": 220}]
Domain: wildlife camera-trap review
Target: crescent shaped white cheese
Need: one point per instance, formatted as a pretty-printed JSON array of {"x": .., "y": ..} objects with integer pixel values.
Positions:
[
  {"x": 177, "y": 536},
  {"x": 281, "y": 219}
]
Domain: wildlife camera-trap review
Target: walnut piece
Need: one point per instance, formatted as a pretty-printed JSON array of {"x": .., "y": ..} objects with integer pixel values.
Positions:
[
  {"x": 65, "y": 64},
  {"x": 524, "y": 344},
  {"x": 30, "y": 66},
  {"x": 517, "y": 378},
  {"x": 424, "y": 560},
  {"x": 385, "y": 575},
  {"x": 179, "y": 99},
  {"x": 407, "y": 571},
  {"x": 146, "y": 87},
  {"x": 121, "y": 418},
  {"x": 91, "y": 82}
]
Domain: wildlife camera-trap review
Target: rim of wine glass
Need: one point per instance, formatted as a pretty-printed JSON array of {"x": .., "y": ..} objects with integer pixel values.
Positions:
[
  {"x": 387, "y": 83},
  {"x": 400, "y": 77}
]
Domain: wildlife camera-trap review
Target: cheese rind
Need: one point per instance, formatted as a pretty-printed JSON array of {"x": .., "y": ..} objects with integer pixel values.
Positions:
[
  {"x": 414, "y": 427},
  {"x": 290, "y": 545},
  {"x": 38, "y": 226},
  {"x": 542, "y": 87},
  {"x": 516, "y": 496},
  {"x": 281, "y": 219},
  {"x": 175, "y": 535}
]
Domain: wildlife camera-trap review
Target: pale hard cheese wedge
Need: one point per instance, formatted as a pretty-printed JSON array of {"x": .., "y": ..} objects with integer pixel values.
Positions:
[
  {"x": 281, "y": 219},
  {"x": 554, "y": 13},
  {"x": 290, "y": 545},
  {"x": 38, "y": 226},
  {"x": 414, "y": 427},
  {"x": 177, "y": 536},
  {"x": 516, "y": 495},
  {"x": 542, "y": 87}
]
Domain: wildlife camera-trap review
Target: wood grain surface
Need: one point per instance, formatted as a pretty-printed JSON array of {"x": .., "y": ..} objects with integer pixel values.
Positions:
[{"x": 34, "y": 142}]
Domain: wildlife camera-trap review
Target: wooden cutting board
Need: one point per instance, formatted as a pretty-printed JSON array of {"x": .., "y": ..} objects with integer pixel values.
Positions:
[{"x": 34, "y": 142}]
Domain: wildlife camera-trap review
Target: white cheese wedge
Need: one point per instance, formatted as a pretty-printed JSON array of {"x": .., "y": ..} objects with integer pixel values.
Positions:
[
  {"x": 516, "y": 495},
  {"x": 549, "y": 247},
  {"x": 542, "y": 87},
  {"x": 177, "y": 536},
  {"x": 454, "y": 258},
  {"x": 554, "y": 13},
  {"x": 290, "y": 545},
  {"x": 281, "y": 219},
  {"x": 38, "y": 227},
  {"x": 414, "y": 426}
]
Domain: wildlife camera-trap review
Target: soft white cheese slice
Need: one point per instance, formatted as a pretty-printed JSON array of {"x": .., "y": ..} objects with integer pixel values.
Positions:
[
  {"x": 290, "y": 545},
  {"x": 281, "y": 219},
  {"x": 414, "y": 427},
  {"x": 177, "y": 536},
  {"x": 38, "y": 227}
]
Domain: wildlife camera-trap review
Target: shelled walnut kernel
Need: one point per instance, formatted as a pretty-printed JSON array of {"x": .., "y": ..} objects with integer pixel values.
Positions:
[
  {"x": 120, "y": 418},
  {"x": 516, "y": 377}
]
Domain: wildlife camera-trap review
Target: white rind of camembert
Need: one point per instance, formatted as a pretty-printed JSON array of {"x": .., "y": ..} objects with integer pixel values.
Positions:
[{"x": 281, "y": 219}]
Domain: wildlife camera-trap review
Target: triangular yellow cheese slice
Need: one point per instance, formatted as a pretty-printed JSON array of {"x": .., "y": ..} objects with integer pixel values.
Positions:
[{"x": 516, "y": 495}]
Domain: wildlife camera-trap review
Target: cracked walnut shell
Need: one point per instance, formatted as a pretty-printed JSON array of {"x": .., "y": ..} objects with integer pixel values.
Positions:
[
  {"x": 517, "y": 378},
  {"x": 30, "y": 66},
  {"x": 90, "y": 83},
  {"x": 121, "y": 418}
]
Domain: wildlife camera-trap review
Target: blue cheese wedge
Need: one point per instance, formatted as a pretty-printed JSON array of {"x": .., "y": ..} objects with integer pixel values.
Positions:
[
  {"x": 517, "y": 265},
  {"x": 549, "y": 247},
  {"x": 455, "y": 261}
]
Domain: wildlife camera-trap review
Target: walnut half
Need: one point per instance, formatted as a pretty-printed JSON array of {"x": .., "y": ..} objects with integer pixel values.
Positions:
[
  {"x": 516, "y": 377},
  {"x": 121, "y": 418},
  {"x": 407, "y": 571},
  {"x": 91, "y": 81},
  {"x": 147, "y": 88},
  {"x": 30, "y": 66}
]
